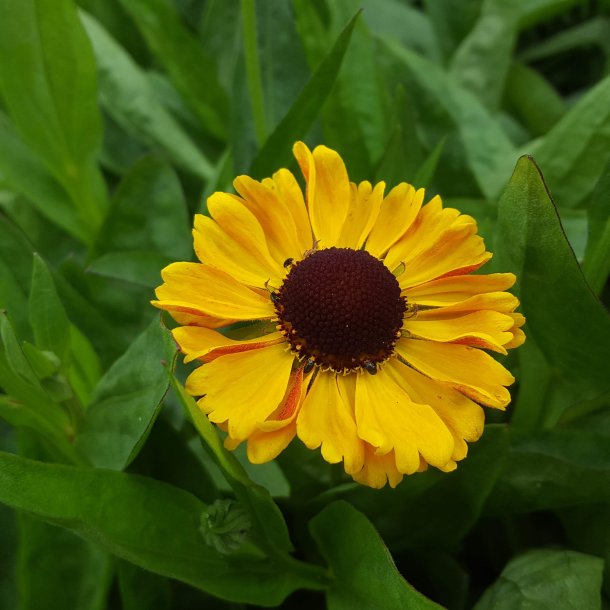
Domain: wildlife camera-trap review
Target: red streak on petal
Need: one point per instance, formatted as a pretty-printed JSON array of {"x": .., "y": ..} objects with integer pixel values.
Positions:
[
  {"x": 224, "y": 350},
  {"x": 293, "y": 397}
]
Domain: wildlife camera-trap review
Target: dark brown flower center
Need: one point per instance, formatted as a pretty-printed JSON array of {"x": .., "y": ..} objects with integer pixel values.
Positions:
[{"x": 341, "y": 309}]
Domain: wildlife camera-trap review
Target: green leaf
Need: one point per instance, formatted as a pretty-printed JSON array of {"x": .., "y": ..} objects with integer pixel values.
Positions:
[
  {"x": 558, "y": 579},
  {"x": 48, "y": 317},
  {"x": 48, "y": 82},
  {"x": 596, "y": 266},
  {"x": 444, "y": 506},
  {"x": 552, "y": 469},
  {"x": 26, "y": 174},
  {"x": 364, "y": 575},
  {"x": 142, "y": 590},
  {"x": 126, "y": 401},
  {"x": 551, "y": 286},
  {"x": 573, "y": 154},
  {"x": 275, "y": 153},
  {"x": 128, "y": 97},
  {"x": 488, "y": 153},
  {"x": 532, "y": 99},
  {"x": 189, "y": 68},
  {"x": 480, "y": 64},
  {"x": 50, "y": 557},
  {"x": 268, "y": 519},
  {"x": 151, "y": 524}
]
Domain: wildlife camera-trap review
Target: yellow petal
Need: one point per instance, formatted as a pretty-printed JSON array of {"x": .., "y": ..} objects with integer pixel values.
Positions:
[
  {"x": 378, "y": 469},
  {"x": 469, "y": 370},
  {"x": 398, "y": 211},
  {"x": 242, "y": 389},
  {"x": 503, "y": 302},
  {"x": 451, "y": 290},
  {"x": 457, "y": 253},
  {"x": 328, "y": 191},
  {"x": 289, "y": 191},
  {"x": 236, "y": 244},
  {"x": 486, "y": 329},
  {"x": 430, "y": 225},
  {"x": 266, "y": 446},
  {"x": 464, "y": 418},
  {"x": 326, "y": 420},
  {"x": 388, "y": 419},
  {"x": 274, "y": 217},
  {"x": 197, "y": 319},
  {"x": 197, "y": 289},
  {"x": 518, "y": 335},
  {"x": 205, "y": 344},
  {"x": 361, "y": 215}
]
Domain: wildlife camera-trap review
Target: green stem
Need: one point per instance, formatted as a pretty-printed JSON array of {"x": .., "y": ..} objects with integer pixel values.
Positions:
[{"x": 253, "y": 71}]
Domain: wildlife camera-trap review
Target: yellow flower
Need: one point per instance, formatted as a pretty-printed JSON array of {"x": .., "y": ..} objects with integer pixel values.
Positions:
[{"x": 370, "y": 329}]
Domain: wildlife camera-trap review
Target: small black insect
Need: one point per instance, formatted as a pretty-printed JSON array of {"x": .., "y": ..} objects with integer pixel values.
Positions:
[
  {"x": 288, "y": 262},
  {"x": 370, "y": 367},
  {"x": 308, "y": 366},
  {"x": 274, "y": 297}
]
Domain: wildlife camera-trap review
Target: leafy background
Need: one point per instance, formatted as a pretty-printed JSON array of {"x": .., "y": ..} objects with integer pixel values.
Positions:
[{"x": 117, "y": 119}]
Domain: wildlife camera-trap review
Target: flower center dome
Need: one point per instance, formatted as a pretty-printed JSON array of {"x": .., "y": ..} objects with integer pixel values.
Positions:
[{"x": 341, "y": 309}]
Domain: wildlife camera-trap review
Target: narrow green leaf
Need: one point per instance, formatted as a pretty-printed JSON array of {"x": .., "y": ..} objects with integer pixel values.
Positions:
[
  {"x": 573, "y": 154},
  {"x": 48, "y": 81},
  {"x": 489, "y": 154},
  {"x": 275, "y": 153},
  {"x": 426, "y": 170},
  {"x": 126, "y": 401},
  {"x": 152, "y": 524},
  {"x": 26, "y": 174},
  {"x": 364, "y": 575},
  {"x": 253, "y": 69},
  {"x": 547, "y": 579},
  {"x": 127, "y": 95},
  {"x": 596, "y": 265},
  {"x": 49, "y": 557},
  {"x": 534, "y": 12},
  {"x": 552, "y": 287},
  {"x": 48, "y": 317},
  {"x": 189, "y": 68},
  {"x": 480, "y": 64}
]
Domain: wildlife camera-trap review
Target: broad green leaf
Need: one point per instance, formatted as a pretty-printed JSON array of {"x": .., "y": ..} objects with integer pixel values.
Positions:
[
  {"x": 444, "y": 506},
  {"x": 25, "y": 173},
  {"x": 480, "y": 64},
  {"x": 51, "y": 557},
  {"x": 552, "y": 469},
  {"x": 126, "y": 401},
  {"x": 142, "y": 590},
  {"x": 488, "y": 153},
  {"x": 137, "y": 241},
  {"x": 48, "y": 317},
  {"x": 596, "y": 265},
  {"x": 573, "y": 154},
  {"x": 190, "y": 69},
  {"x": 364, "y": 575},
  {"x": 275, "y": 153},
  {"x": 152, "y": 524},
  {"x": 48, "y": 81},
  {"x": 537, "y": 11},
  {"x": 564, "y": 319},
  {"x": 532, "y": 99},
  {"x": 541, "y": 578},
  {"x": 128, "y": 97}
]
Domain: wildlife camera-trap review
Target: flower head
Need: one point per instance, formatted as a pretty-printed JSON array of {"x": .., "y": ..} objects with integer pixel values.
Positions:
[{"x": 368, "y": 330}]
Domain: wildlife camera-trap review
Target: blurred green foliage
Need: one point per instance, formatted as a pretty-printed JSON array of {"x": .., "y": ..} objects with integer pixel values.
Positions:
[{"x": 117, "y": 119}]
